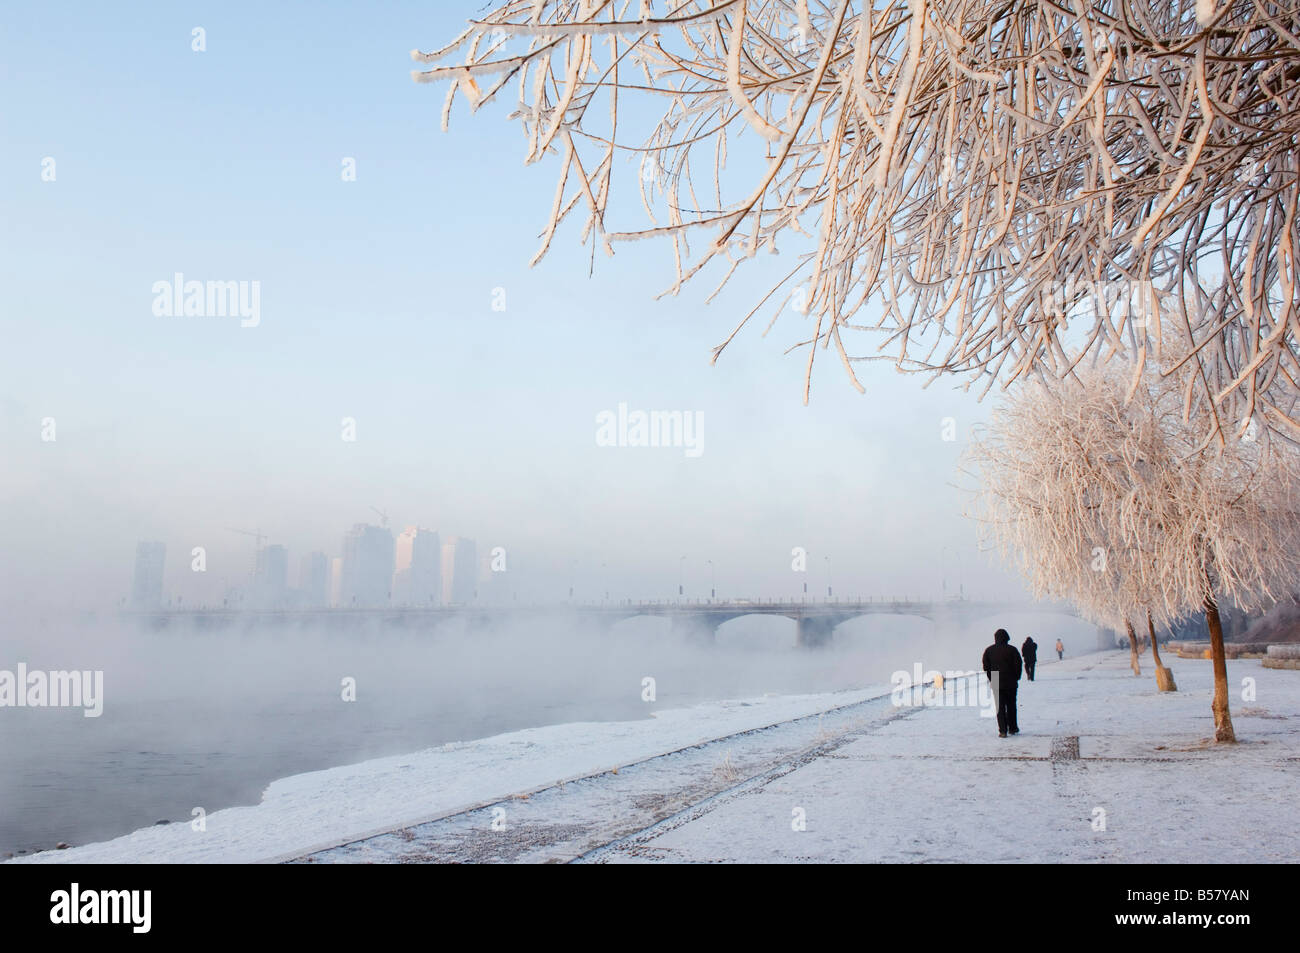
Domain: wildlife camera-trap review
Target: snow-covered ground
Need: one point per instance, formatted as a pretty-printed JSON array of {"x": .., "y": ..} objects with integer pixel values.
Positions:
[
  {"x": 322, "y": 808},
  {"x": 771, "y": 779},
  {"x": 941, "y": 786}
]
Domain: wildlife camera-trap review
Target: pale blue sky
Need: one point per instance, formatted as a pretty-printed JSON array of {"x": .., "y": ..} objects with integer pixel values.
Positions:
[{"x": 376, "y": 304}]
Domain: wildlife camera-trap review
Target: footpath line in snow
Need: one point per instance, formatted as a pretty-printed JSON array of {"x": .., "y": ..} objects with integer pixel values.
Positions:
[
  {"x": 418, "y": 838},
  {"x": 631, "y": 843},
  {"x": 571, "y": 819}
]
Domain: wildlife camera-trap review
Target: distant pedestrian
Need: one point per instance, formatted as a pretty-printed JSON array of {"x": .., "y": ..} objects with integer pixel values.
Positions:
[
  {"x": 1029, "y": 651},
  {"x": 1060, "y": 649},
  {"x": 1002, "y": 658}
]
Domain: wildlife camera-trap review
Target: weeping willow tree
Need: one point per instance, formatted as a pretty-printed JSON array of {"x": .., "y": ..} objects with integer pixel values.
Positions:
[
  {"x": 1100, "y": 492},
  {"x": 959, "y": 177}
]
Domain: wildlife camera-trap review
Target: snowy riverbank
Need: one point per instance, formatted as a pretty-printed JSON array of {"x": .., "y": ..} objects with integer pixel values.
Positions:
[
  {"x": 321, "y": 808},
  {"x": 1105, "y": 770}
]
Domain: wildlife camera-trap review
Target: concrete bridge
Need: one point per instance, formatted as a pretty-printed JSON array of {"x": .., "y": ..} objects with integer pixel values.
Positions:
[{"x": 815, "y": 621}]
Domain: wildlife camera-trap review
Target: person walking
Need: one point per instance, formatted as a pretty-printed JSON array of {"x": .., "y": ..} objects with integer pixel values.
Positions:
[
  {"x": 1029, "y": 652},
  {"x": 1002, "y": 659},
  {"x": 1060, "y": 649}
]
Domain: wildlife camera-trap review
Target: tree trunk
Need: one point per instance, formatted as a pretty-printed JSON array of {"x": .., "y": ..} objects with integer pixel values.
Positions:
[
  {"x": 1164, "y": 677},
  {"x": 1222, "y": 717},
  {"x": 1133, "y": 648}
]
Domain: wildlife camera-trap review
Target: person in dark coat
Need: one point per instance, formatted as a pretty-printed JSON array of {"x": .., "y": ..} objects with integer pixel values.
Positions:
[
  {"x": 1002, "y": 658},
  {"x": 1029, "y": 652}
]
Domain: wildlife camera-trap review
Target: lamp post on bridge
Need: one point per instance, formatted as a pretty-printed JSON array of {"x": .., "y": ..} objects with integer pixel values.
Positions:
[
  {"x": 943, "y": 570},
  {"x": 828, "y": 579},
  {"x": 713, "y": 583},
  {"x": 681, "y": 577}
]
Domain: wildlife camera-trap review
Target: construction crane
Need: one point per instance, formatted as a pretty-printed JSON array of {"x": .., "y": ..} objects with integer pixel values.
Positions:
[
  {"x": 259, "y": 536},
  {"x": 383, "y": 517}
]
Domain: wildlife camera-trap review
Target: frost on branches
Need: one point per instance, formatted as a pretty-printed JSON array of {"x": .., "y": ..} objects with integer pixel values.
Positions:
[{"x": 957, "y": 176}]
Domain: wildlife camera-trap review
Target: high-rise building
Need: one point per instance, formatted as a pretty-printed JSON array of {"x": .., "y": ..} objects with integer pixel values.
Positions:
[
  {"x": 147, "y": 585},
  {"x": 367, "y": 567},
  {"x": 402, "y": 586},
  {"x": 314, "y": 581},
  {"x": 419, "y": 568},
  {"x": 271, "y": 577},
  {"x": 459, "y": 569},
  {"x": 336, "y": 581}
]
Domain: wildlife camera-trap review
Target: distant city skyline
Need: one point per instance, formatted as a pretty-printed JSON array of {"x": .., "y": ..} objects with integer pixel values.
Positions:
[
  {"x": 374, "y": 568},
  {"x": 418, "y": 567}
]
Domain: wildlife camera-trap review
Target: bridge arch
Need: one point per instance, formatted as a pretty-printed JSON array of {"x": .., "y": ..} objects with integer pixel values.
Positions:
[{"x": 771, "y": 630}]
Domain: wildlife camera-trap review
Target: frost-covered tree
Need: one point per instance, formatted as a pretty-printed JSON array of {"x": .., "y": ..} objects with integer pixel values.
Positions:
[
  {"x": 958, "y": 178},
  {"x": 1099, "y": 490},
  {"x": 1060, "y": 470}
]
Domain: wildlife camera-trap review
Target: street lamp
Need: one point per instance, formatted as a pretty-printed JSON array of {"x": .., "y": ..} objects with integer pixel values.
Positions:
[
  {"x": 828, "y": 577},
  {"x": 943, "y": 568},
  {"x": 713, "y": 583},
  {"x": 681, "y": 576}
]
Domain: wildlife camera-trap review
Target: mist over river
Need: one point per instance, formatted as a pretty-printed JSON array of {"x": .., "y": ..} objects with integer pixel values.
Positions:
[{"x": 208, "y": 718}]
